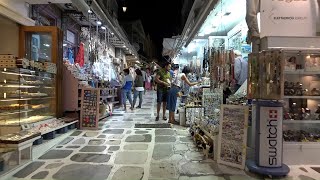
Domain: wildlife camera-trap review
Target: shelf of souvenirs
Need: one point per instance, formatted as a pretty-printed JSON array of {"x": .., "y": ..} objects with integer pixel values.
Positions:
[
  {"x": 301, "y": 97},
  {"x": 19, "y": 137},
  {"x": 21, "y": 121},
  {"x": 53, "y": 125},
  {"x": 37, "y": 130},
  {"x": 207, "y": 132},
  {"x": 23, "y": 72},
  {"x": 289, "y": 121},
  {"x": 301, "y": 72},
  {"x": 24, "y": 109},
  {"x": 297, "y": 137}
]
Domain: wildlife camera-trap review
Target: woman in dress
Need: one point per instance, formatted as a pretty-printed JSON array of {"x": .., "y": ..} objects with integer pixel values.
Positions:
[{"x": 174, "y": 91}]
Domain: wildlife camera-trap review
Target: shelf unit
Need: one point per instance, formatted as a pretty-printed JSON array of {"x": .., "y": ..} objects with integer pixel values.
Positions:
[
  {"x": 301, "y": 72},
  {"x": 301, "y": 121},
  {"x": 302, "y": 132},
  {"x": 17, "y": 107}
]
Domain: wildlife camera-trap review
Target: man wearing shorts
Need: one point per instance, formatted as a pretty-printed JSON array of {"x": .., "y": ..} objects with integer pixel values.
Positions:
[{"x": 163, "y": 80}]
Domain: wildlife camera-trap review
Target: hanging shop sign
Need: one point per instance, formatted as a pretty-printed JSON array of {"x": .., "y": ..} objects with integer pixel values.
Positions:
[
  {"x": 270, "y": 137},
  {"x": 288, "y": 18},
  {"x": 233, "y": 136}
]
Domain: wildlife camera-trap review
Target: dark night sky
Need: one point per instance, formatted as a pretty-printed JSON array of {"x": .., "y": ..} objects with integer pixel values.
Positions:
[{"x": 160, "y": 18}]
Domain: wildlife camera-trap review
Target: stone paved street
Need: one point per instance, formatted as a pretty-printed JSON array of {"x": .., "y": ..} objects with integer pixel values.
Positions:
[{"x": 119, "y": 151}]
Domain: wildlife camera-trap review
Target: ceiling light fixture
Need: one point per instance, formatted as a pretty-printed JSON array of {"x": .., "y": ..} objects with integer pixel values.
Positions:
[
  {"x": 64, "y": 44},
  {"x": 89, "y": 11},
  {"x": 99, "y": 23},
  {"x": 103, "y": 27}
]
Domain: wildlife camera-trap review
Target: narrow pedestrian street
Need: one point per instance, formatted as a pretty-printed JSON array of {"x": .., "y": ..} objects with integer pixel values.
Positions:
[{"x": 120, "y": 151}]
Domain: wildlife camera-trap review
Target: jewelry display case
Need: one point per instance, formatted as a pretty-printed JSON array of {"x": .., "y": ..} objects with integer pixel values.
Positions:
[
  {"x": 27, "y": 96},
  {"x": 301, "y": 119}
]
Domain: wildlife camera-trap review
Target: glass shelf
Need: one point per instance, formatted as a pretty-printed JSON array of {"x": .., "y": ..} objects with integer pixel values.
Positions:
[
  {"x": 21, "y": 111},
  {"x": 301, "y": 97},
  {"x": 26, "y": 99},
  {"x": 23, "y": 86},
  {"x": 25, "y": 72},
  {"x": 21, "y": 121},
  {"x": 300, "y": 121}
]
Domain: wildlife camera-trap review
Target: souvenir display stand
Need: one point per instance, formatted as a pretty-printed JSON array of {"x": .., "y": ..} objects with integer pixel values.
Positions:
[
  {"x": 89, "y": 116},
  {"x": 265, "y": 86},
  {"x": 209, "y": 96},
  {"x": 233, "y": 135},
  {"x": 76, "y": 79}
]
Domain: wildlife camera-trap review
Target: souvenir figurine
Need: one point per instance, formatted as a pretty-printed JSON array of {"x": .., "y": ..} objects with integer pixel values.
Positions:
[
  {"x": 318, "y": 112},
  {"x": 298, "y": 89},
  {"x": 315, "y": 92},
  {"x": 307, "y": 114}
]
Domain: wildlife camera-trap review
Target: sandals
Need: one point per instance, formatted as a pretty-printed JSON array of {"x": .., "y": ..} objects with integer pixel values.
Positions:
[
  {"x": 157, "y": 118},
  {"x": 165, "y": 118}
]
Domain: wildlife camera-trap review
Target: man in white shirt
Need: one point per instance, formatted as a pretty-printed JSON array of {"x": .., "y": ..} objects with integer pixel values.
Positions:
[
  {"x": 144, "y": 74},
  {"x": 240, "y": 69}
]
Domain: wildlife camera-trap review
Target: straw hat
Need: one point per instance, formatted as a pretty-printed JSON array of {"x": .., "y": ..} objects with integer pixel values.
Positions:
[{"x": 237, "y": 53}]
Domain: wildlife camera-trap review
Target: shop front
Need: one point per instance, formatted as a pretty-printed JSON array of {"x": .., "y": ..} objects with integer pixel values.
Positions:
[
  {"x": 56, "y": 67},
  {"x": 280, "y": 81}
]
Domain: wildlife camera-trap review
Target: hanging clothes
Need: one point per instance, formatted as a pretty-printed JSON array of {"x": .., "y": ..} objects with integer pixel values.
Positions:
[
  {"x": 80, "y": 55},
  {"x": 70, "y": 56}
]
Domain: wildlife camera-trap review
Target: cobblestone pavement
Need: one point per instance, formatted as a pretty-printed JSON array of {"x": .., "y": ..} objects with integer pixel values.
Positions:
[{"x": 119, "y": 151}]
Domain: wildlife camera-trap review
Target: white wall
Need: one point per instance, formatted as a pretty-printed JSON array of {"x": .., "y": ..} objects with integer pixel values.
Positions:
[
  {"x": 9, "y": 35},
  {"x": 16, "y": 10}
]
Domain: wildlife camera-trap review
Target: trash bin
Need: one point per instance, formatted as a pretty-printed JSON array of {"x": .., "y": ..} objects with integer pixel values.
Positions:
[{"x": 182, "y": 116}]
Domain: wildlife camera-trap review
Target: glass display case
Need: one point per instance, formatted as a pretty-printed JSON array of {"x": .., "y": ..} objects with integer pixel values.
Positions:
[
  {"x": 44, "y": 44},
  {"x": 26, "y": 96},
  {"x": 301, "y": 119}
]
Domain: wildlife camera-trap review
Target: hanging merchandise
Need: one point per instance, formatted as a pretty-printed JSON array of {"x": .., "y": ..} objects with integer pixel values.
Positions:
[
  {"x": 80, "y": 55},
  {"x": 266, "y": 75},
  {"x": 70, "y": 56},
  {"x": 221, "y": 68}
]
